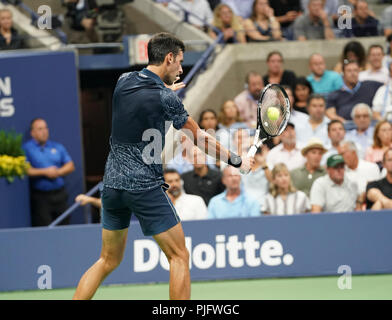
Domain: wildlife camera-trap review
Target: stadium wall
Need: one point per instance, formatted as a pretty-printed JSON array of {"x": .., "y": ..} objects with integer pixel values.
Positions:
[
  {"x": 263, "y": 247},
  {"x": 40, "y": 84}
]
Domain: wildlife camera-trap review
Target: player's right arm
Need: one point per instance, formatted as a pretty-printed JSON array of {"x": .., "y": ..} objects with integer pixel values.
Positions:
[{"x": 209, "y": 145}]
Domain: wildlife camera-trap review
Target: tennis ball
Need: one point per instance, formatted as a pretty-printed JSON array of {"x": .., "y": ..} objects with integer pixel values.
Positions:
[{"x": 273, "y": 113}]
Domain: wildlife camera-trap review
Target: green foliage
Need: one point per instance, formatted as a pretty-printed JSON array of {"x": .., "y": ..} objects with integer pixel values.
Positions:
[{"x": 11, "y": 144}]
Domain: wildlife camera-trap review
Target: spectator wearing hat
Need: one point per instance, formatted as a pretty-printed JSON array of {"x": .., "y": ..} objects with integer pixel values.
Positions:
[
  {"x": 287, "y": 151},
  {"x": 358, "y": 170},
  {"x": 317, "y": 124},
  {"x": 379, "y": 193},
  {"x": 303, "y": 177},
  {"x": 334, "y": 192}
]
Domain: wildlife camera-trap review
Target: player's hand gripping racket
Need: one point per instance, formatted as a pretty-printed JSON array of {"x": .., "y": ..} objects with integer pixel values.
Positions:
[{"x": 273, "y": 114}]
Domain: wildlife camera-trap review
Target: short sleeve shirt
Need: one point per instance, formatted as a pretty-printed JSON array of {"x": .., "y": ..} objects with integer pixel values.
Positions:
[
  {"x": 383, "y": 185},
  {"x": 332, "y": 197},
  {"x": 45, "y": 156},
  {"x": 143, "y": 109}
]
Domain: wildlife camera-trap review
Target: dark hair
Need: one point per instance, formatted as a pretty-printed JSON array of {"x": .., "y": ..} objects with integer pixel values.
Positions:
[
  {"x": 335, "y": 121},
  {"x": 303, "y": 82},
  {"x": 314, "y": 96},
  {"x": 160, "y": 45},
  {"x": 375, "y": 46},
  {"x": 202, "y": 115},
  {"x": 33, "y": 121},
  {"x": 170, "y": 170},
  {"x": 358, "y": 49},
  {"x": 273, "y": 53},
  {"x": 253, "y": 15},
  {"x": 347, "y": 62},
  {"x": 250, "y": 74}
]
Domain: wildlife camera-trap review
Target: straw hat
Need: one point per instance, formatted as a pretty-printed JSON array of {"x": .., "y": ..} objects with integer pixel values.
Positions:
[{"x": 313, "y": 143}]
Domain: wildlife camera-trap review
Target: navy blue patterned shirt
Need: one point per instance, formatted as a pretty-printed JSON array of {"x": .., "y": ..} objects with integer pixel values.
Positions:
[{"x": 141, "y": 106}]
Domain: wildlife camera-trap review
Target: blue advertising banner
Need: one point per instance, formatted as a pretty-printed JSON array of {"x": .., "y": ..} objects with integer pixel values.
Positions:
[
  {"x": 276, "y": 246},
  {"x": 41, "y": 84}
]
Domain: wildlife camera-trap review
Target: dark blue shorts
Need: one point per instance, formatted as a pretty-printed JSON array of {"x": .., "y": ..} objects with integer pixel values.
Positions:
[{"x": 153, "y": 209}]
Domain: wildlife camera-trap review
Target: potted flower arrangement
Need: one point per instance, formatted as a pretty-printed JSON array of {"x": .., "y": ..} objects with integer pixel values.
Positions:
[{"x": 13, "y": 162}]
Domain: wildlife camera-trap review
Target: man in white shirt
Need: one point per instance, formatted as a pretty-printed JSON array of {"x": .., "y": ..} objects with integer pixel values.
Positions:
[
  {"x": 377, "y": 71},
  {"x": 336, "y": 134},
  {"x": 334, "y": 192},
  {"x": 357, "y": 170},
  {"x": 287, "y": 152},
  {"x": 317, "y": 124},
  {"x": 200, "y": 9},
  {"x": 363, "y": 134},
  {"x": 188, "y": 206}
]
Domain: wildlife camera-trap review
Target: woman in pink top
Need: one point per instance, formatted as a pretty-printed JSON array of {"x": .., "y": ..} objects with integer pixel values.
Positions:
[{"x": 382, "y": 140}]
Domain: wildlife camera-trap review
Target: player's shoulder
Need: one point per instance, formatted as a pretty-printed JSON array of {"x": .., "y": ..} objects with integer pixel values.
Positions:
[{"x": 169, "y": 97}]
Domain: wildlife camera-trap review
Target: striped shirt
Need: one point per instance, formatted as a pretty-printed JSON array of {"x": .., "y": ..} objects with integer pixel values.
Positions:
[{"x": 296, "y": 202}]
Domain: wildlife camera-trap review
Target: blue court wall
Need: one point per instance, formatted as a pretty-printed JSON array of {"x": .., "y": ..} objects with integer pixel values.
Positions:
[
  {"x": 263, "y": 247},
  {"x": 40, "y": 84}
]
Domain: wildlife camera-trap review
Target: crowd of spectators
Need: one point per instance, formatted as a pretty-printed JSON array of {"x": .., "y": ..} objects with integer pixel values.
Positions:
[
  {"x": 266, "y": 20},
  {"x": 335, "y": 154}
]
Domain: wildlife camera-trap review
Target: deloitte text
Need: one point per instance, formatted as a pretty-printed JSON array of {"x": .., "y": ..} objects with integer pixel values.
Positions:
[{"x": 224, "y": 253}]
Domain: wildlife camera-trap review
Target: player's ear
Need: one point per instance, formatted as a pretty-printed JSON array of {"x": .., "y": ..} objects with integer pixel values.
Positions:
[{"x": 170, "y": 58}]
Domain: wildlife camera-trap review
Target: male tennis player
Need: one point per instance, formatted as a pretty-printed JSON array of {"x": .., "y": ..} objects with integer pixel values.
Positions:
[{"x": 141, "y": 101}]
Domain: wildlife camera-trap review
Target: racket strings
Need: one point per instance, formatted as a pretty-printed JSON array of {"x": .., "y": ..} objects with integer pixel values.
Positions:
[{"x": 274, "y": 97}]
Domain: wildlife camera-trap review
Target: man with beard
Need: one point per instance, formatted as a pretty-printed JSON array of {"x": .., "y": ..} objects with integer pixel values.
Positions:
[
  {"x": 246, "y": 101},
  {"x": 188, "y": 206},
  {"x": 133, "y": 183}
]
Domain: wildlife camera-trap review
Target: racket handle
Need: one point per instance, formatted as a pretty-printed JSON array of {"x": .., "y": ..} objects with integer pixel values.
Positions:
[{"x": 252, "y": 151}]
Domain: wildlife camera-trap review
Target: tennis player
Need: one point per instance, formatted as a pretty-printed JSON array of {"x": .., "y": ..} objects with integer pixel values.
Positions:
[{"x": 132, "y": 182}]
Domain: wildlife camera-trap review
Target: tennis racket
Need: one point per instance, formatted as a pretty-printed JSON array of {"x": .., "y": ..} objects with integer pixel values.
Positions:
[{"x": 273, "y": 114}]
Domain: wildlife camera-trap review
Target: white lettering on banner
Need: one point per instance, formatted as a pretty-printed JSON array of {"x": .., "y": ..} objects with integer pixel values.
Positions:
[
  {"x": 44, "y": 281},
  {"x": 344, "y": 281},
  {"x": 147, "y": 254},
  {"x": 7, "y": 108}
]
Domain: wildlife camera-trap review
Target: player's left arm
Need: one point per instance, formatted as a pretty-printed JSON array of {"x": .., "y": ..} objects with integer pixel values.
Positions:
[{"x": 209, "y": 145}]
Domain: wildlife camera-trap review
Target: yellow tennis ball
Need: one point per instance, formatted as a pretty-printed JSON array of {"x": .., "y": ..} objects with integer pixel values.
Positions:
[{"x": 273, "y": 113}]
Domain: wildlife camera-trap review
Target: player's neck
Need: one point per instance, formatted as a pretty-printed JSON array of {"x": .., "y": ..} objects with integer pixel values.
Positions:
[{"x": 158, "y": 70}]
